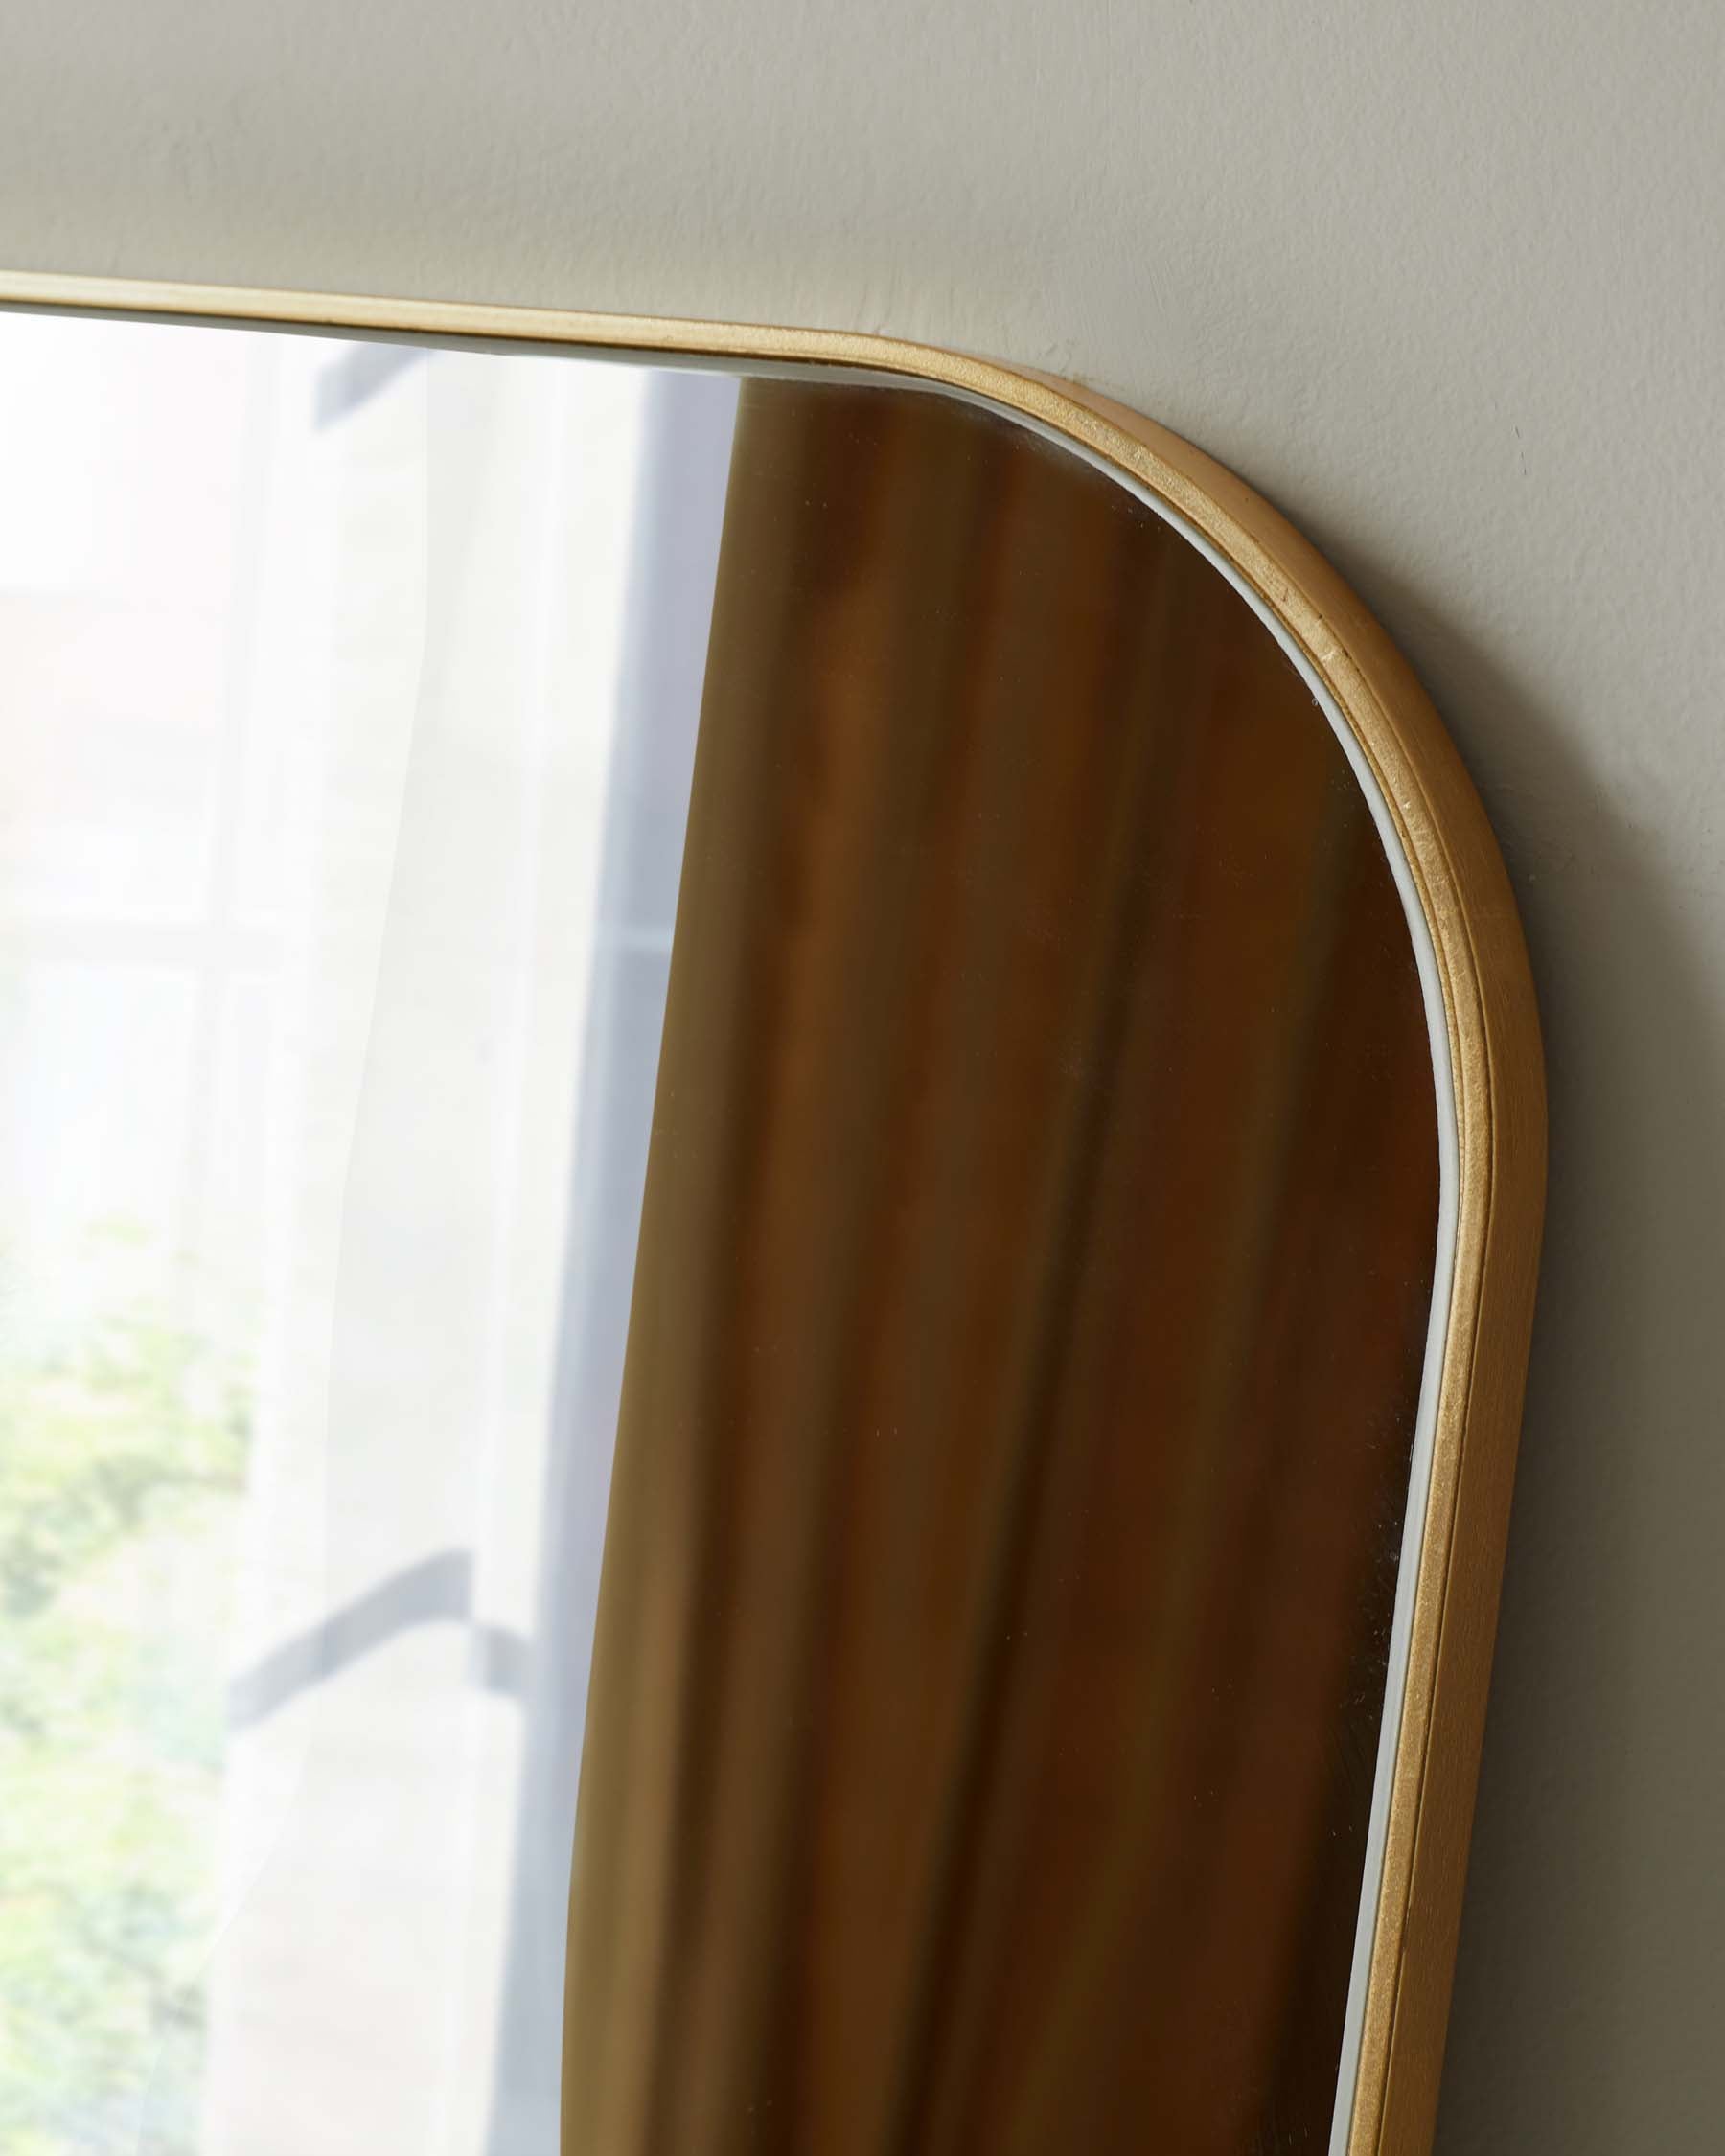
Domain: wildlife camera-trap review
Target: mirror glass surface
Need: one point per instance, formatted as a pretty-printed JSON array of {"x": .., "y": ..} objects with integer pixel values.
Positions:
[{"x": 767, "y": 985}]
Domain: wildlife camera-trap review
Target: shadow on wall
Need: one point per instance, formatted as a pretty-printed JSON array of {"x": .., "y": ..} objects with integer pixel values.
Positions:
[{"x": 1591, "y": 1959}]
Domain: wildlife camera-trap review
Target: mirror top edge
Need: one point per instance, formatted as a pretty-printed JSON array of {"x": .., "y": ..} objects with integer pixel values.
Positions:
[
  {"x": 1226, "y": 512},
  {"x": 1413, "y": 758}
]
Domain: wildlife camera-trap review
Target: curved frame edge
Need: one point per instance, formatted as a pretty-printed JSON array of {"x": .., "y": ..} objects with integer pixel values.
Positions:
[{"x": 1489, "y": 1008}]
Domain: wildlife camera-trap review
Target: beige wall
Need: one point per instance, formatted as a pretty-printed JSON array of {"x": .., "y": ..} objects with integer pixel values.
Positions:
[{"x": 1447, "y": 282}]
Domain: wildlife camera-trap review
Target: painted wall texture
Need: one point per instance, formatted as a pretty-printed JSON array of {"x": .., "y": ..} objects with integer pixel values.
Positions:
[{"x": 1446, "y": 283}]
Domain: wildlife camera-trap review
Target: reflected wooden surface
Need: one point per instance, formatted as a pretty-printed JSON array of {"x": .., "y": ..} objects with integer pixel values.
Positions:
[{"x": 1029, "y": 1324}]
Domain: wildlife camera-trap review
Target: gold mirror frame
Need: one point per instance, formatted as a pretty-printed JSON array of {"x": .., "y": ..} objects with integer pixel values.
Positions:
[{"x": 1456, "y": 878}]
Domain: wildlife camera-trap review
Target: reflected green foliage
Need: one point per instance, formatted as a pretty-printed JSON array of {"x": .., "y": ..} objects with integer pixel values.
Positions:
[{"x": 121, "y": 1468}]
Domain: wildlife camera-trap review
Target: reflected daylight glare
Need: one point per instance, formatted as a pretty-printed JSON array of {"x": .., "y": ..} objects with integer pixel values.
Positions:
[{"x": 346, "y": 778}]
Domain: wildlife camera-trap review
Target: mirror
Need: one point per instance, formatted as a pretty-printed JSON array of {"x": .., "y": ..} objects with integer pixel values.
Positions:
[{"x": 771, "y": 1142}]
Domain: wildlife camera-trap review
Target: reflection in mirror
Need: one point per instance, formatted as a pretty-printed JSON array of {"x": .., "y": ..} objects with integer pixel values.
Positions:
[{"x": 972, "y": 1282}]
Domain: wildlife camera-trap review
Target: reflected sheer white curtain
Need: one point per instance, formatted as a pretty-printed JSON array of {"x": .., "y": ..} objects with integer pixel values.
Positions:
[
  {"x": 527, "y": 561},
  {"x": 352, "y": 693}
]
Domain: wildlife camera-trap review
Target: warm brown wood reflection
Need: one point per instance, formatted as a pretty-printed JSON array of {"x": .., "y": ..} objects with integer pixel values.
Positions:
[{"x": 1029, "y": 1324}]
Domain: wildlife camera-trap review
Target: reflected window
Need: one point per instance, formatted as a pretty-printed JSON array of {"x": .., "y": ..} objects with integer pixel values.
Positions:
[{"x": 347, "y": 778}]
